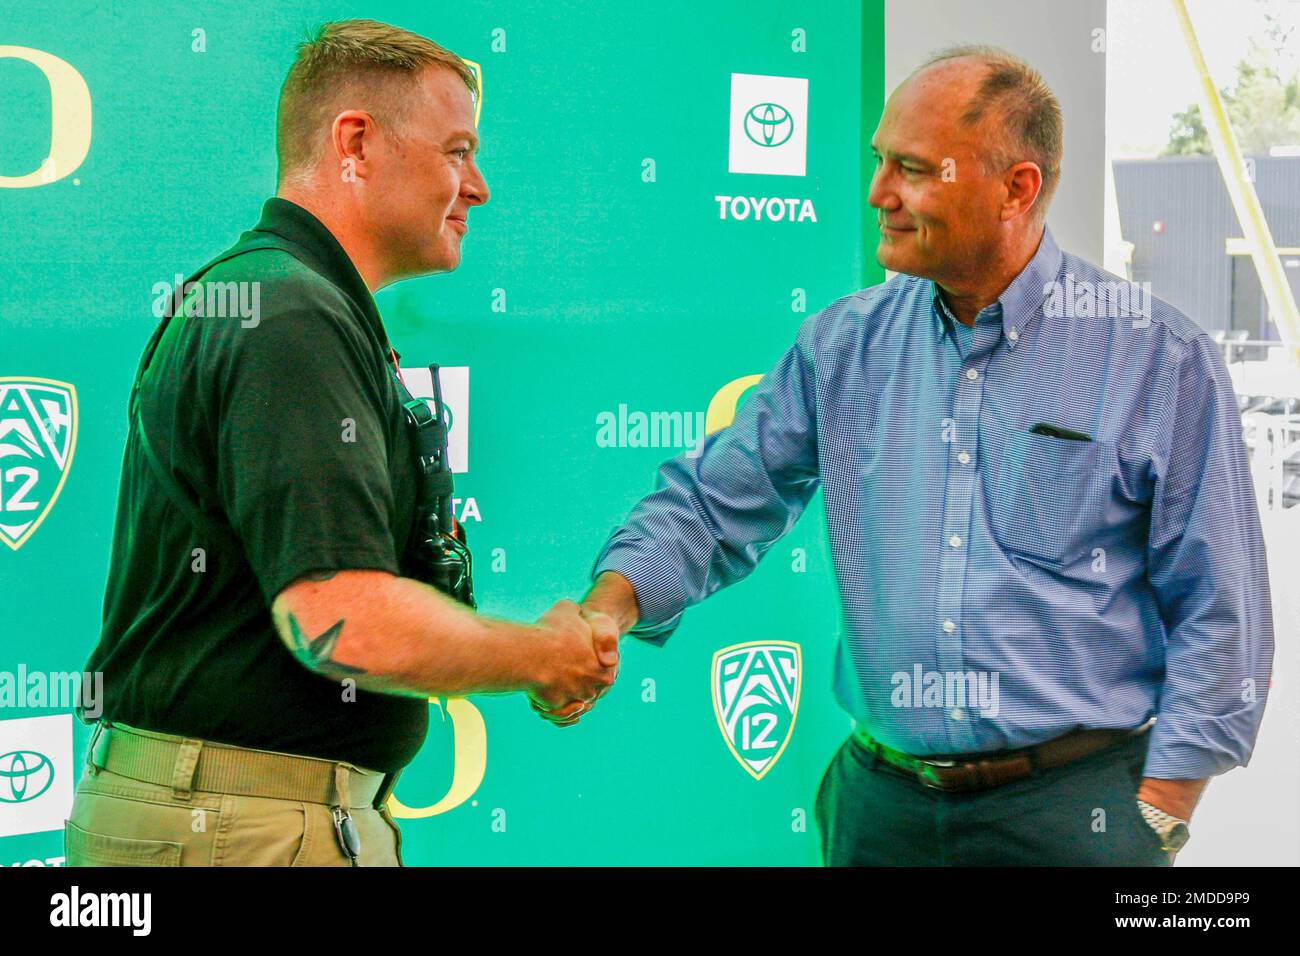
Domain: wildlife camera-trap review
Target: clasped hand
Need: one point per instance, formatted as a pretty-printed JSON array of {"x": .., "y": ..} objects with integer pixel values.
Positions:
[{"x": 582, "y": 665}]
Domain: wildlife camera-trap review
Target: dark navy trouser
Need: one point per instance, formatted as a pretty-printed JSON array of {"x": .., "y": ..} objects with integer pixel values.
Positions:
[{"x": 1082, "y": 814}]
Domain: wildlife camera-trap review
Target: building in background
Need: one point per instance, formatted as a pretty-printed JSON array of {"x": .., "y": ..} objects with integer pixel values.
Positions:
[
  {"x": 1185, "y": 239},
  {"x": 1181, "y": 234}
]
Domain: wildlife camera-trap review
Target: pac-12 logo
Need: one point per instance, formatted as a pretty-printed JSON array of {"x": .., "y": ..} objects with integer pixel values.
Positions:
[
  {"x": 38, "y": 435},
  {"x": 756, "y": 699}
]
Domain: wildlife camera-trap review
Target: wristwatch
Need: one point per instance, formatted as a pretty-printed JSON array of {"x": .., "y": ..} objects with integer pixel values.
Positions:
[{"x": 1173, "y": 832}]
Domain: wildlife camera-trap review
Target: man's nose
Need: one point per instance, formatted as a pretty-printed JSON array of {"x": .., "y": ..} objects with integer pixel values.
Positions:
[
  {"x": 881, "y": 195},
  {"x": 475, "y": 188}
]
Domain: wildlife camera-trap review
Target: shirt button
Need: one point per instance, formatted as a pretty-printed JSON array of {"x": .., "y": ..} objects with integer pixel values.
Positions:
[
  {"x": 1012, "y": 334},
  {"x": 949, "y": 626},
  {"x": 964, "y": 458},
  {"x": 972, "y": 374},
  {"x": 957, "y": 714},
  {"x": 955, "y": 541}
]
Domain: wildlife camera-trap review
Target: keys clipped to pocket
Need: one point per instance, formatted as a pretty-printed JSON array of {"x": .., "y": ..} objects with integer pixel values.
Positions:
[{"x": 345, "y": 829}]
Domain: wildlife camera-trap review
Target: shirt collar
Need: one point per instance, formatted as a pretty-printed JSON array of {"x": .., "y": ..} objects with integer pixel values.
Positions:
[
  {"x": 323, "y": 253},
  {"x": 1021, "y": 300}
]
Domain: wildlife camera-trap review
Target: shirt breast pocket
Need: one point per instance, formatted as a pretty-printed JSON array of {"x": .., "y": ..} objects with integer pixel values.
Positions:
[{"x": 1046, "y": 496}]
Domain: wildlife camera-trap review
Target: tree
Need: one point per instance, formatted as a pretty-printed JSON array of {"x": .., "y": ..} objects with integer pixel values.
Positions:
[
  {"x": 1264, "y": 110},
  {"x": 1187, "y": 137}
]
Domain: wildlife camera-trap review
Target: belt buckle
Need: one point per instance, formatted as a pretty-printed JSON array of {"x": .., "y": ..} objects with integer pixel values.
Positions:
[{"x": 930, "y": 781}]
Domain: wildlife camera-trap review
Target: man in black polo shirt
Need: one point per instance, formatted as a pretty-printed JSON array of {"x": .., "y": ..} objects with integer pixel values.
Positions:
[{"x": 266, "y": 659}]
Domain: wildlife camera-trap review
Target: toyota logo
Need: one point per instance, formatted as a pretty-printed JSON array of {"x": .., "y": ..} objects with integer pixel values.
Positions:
[
  {"x": 768, "y": 124},
  {"x": 24, "y": 775}
]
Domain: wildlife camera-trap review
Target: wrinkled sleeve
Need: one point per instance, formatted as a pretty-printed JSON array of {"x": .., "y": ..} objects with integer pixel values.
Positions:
[
  {"x": 1207, "y": 564},
  {"x": 712, "y": 517}
]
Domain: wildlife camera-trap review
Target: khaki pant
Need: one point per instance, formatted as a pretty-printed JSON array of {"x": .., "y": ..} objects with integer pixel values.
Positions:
[{"x": 138, "y": 820}]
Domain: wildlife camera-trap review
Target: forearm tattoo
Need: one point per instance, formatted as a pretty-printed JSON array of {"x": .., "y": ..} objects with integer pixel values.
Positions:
[{"x": 317, "y": 653}]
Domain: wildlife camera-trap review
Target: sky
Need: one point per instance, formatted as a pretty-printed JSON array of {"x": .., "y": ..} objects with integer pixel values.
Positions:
[{"x": 1149, "y": 74}]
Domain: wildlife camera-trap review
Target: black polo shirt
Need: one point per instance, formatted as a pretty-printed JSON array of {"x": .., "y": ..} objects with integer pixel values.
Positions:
[{"x": 284, "y": 425}]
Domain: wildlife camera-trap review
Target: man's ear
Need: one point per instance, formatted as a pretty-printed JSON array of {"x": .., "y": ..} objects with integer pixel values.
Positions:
[
  {"x": 352, "y": 136},
  {"x": 1024, "y": 181}
]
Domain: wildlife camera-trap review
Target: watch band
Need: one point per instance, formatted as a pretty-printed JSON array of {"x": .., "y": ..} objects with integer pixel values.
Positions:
[{"x": 1162, "y": 823}]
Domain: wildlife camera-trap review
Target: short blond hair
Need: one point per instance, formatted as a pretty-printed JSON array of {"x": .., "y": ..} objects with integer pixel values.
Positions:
[
  {"x": 367, "y": 63},
  {"x": 1026, "y": 122}
]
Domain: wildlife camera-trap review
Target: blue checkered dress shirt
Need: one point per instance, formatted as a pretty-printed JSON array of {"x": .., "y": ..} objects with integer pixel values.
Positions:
[{"x": 1102, "y": 582}]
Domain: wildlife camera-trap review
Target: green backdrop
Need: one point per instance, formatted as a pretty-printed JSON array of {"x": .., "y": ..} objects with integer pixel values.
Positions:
[{"x": 602, "y": 273}]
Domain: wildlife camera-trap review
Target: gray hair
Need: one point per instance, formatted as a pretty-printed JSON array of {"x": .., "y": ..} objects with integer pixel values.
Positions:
[{"x": 1027, "y": 116}]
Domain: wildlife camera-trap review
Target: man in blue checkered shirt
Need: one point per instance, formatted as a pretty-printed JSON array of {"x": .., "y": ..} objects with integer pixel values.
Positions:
[{"x": 1035, "y": 482}]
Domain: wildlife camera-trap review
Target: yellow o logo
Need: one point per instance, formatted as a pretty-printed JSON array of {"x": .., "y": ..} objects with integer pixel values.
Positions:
[
  {"x": 722, "y": 409},
  {"x": 469, "y": 737},
  {"x": 69, "y": 118},
  {"x": 477, "y": 70}
]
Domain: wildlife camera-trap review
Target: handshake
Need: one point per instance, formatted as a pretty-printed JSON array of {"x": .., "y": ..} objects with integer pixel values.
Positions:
[{"x": 581, "y": 666}]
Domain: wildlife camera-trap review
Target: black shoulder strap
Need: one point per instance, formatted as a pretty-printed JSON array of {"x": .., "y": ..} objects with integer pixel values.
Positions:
[
  {"x": 175, "y": 493},
  {"x": 171, "y": 487},
  {"x": 249, "y": 245}
]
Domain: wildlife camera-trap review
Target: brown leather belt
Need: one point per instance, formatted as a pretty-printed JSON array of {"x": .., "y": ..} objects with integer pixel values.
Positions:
[{"x": 963, "y": 773}]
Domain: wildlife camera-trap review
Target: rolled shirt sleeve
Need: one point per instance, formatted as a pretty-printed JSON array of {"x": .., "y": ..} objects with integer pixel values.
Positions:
[
  {"x": 712, "y": 517},
  {"x": 1206, "y": 562}
]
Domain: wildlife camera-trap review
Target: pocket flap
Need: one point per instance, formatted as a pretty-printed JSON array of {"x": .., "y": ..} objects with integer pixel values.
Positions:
[
  {"x": 84, "y": 848},
  {"x": 1047, "y": 496}
]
